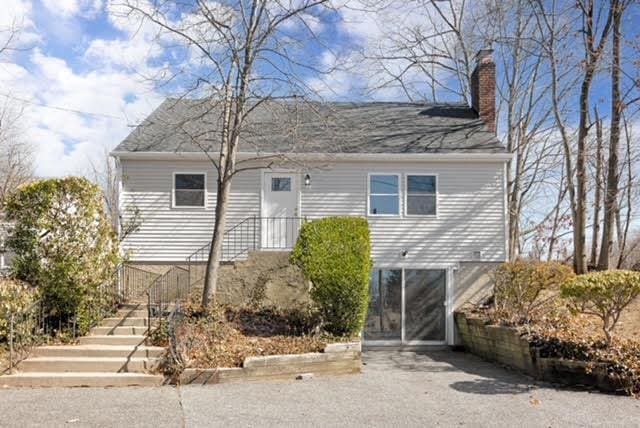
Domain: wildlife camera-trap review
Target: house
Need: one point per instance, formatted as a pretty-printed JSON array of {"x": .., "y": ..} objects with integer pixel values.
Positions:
[{"x": 430, "y": 179}]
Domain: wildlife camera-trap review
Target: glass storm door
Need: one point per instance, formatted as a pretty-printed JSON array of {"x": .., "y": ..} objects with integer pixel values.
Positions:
[
  {"x": 425, "y": 294},
  {"x": 407, "y": 307},
  {"x": 384, "y": 319}
]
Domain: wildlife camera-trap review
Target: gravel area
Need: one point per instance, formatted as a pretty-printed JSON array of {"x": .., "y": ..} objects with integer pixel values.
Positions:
[{"x": 396, "y": 389}]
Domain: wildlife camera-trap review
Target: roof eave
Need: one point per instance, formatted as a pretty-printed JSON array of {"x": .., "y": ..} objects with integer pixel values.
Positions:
[{"x": 336, "y": 157}]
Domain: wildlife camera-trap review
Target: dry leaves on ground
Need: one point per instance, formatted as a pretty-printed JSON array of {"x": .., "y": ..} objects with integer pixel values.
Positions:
[{"x": 225, "y": 336}]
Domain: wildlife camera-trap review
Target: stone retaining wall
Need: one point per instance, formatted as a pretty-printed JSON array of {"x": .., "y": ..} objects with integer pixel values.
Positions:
[
  {"x": 337, "y": 359},
  {"x": 506, "y": 346}
]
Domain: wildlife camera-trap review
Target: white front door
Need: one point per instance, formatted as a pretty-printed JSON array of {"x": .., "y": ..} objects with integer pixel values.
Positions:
[{"x": 280, "y": 222}]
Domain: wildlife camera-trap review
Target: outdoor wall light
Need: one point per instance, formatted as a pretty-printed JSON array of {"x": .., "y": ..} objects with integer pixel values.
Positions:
[{"x": 307, "y": 180}]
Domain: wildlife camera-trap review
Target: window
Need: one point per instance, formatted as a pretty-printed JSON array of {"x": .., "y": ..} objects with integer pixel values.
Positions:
[
  {"x": 281, "y": 184},
  {"x": 384, "y": 194},
  {"x": 189, "y": 190},
  {"x": 421, "y": 195}
]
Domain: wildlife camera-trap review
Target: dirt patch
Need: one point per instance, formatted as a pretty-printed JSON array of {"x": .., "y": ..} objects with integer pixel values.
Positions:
[{"x": 227, "y": 335}]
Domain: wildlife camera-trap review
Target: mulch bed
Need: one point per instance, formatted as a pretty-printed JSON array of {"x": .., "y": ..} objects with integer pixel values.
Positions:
[{"x": 226, "y": 335}]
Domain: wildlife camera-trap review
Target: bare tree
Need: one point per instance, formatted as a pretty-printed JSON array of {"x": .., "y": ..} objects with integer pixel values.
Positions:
[
  {"x": 595, "y": 28},
  {"x": 243, "y": 56},
  {"x": 104, "y": 173},
  {"x": 595, "y": 41},
  {"x": 598, "y": 184},
  {"x": 617, "y": 105},
  {"x": 16, "y": 159}
]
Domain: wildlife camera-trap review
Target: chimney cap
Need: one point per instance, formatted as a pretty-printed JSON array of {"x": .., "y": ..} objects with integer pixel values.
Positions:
[{"x": 484, "y": 55}]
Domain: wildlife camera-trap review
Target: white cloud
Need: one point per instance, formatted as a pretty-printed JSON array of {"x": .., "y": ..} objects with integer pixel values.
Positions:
[
  {"x": 17, "y": 15},
  {"x": 71, "y": 8},
  {"x": 381, "y": 36},
  {"x": 66, "y": 141}
]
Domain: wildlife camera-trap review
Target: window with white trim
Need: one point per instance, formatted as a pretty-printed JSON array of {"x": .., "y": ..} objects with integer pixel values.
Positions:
[
  {"x": 421, "y": 194},
  {"x": 189, "y": 190},
  {"x": 384, "y": 194}
]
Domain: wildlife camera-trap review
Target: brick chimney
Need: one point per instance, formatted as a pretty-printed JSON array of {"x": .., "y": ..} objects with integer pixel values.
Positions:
[{"x": 483, "y": 88}]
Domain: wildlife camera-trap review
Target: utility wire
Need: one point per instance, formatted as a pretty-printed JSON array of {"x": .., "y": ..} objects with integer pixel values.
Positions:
[{"x": 36, "y": 103}]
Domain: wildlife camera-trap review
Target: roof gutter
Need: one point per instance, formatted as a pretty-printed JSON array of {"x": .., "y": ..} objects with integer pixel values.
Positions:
[{"x": 333, "y": 157}]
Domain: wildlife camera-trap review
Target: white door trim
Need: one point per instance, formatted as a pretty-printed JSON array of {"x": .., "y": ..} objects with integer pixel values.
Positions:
[
  {"x": 448, "y": 302},
  {"x": 296, "y": 183}
]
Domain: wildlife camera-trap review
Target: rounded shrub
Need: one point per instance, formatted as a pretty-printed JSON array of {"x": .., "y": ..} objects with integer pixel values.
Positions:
[
  {"x": 63, "y": 242},
  {"x": 604, "y": 295},
  {"x": 524, "y": 289},
  {"x": 335, "y": 255}
]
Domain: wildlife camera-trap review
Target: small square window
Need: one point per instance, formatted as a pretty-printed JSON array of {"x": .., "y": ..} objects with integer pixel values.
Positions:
[
  {"x": 421, "y": 195},
  {"x": 384, "y": 195},
  {"x": 281, "y": 184},
  {"x": 189, "y": 190}
]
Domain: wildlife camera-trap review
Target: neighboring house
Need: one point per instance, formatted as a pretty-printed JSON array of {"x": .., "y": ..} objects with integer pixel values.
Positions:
[
  {"x": 5, "y": 254},
  {"x": 430, "y": 179}
]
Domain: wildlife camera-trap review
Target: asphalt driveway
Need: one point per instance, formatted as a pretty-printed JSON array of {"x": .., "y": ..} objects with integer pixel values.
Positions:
[{"x": 396, "y": 389}]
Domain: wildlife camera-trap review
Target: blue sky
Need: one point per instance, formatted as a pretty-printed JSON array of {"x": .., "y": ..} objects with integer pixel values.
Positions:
[{"x": 79, "y": 76}]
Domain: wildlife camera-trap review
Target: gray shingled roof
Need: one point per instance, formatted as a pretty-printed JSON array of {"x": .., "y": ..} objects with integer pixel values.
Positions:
[{"x": 297, "y": 127}]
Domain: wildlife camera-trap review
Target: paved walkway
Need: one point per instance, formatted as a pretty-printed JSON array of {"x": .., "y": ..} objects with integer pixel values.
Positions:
[{"x": 396, "y": 389}]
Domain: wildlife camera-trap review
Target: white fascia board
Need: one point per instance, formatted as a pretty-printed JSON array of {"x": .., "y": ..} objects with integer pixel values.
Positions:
[{"x": 334, "y": 157}]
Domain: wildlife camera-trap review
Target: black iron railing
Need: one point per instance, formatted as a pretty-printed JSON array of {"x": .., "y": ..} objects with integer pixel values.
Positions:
[
  {"x": 166, "y": 291},
  {"x": 252, "y": 233},
  {"x": 39, "y": 324},
  {"x": 134, "y": 282}
]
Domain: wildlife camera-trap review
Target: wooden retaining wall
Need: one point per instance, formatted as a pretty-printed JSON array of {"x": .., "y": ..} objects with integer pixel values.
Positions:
[
  {"x": 337, "y": 359},
  {"x": 506, "y": 346}
]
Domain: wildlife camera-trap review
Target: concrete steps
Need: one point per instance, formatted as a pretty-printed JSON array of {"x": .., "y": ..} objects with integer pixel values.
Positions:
[
  {"x": 88, "y": 364},
  {"x": 135, "y": 313},
  {"x": 121, "y": 339},
  {"x": 124, "y": 322},
  {"x": 113, "y": 354},
  {"x": 119, "y": 330},
  {"x": 77, "y": 379},
  {"x": 97, "y": 351}
]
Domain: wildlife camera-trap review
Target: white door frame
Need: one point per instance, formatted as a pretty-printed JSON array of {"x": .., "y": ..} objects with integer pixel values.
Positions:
[
  {"x": 296, "y": 181},
  {"x": 448, "y": 302}
]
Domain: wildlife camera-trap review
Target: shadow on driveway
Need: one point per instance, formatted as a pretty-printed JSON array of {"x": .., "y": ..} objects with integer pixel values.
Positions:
[{"x": 486, "y": 379}]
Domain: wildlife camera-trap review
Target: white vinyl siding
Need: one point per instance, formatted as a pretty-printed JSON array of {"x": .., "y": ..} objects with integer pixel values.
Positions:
[
  {"x": 171, "y": 234},
  {"x": 470, "y": 208}
]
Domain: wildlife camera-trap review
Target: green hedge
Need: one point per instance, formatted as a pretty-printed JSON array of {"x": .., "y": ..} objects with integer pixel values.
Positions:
[
  {"x": 335, "y": 255},
  {"x": 63, "y": 242}
]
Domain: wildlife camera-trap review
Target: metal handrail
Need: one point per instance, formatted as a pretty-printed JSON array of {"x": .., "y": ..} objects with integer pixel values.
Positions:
[
  {"x": 170, "y": 287},
  {"x": 35, "y": 325},
  {"x": 247, "y": 235},
  {"x": 134, "y": 282}
]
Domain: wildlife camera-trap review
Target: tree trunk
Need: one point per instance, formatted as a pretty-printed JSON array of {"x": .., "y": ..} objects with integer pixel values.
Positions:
[
  {"x": 611, "y": 195},
  {"x": 625, "y": 234},
  {"x": 215, "y": 252},
  {"x": 580, "y": 214},
  {"x": 595, "y": 237}
]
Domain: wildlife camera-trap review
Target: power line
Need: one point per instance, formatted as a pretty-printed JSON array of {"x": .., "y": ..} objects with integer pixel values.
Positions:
[{"x": 70, "y": 110}]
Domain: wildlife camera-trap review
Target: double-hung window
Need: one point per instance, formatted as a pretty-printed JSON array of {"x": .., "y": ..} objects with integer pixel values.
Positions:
[
  {"x": 384, "y": 194},
  {"x": 189, "y": 190},
  {"x": 421, "y": 194}
]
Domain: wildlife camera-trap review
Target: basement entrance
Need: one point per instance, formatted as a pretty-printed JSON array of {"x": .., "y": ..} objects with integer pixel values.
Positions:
[{"x": 408, "y": 307}]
